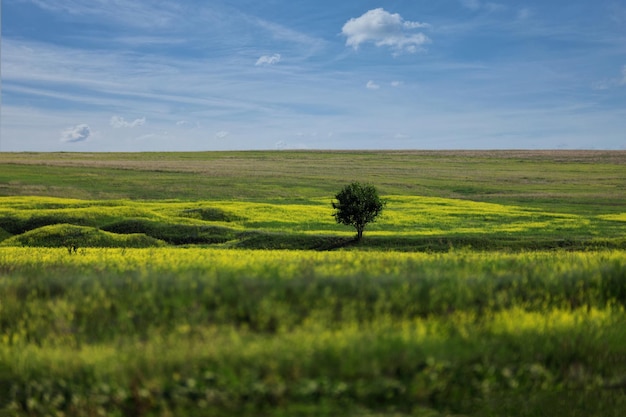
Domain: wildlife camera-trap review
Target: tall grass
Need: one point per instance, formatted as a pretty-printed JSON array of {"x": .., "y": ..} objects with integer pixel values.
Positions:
[{"x": 222, "y": 332}]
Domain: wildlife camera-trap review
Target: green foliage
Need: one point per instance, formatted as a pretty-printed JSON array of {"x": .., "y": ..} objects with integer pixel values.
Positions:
[{"x": 357, "y": 205}]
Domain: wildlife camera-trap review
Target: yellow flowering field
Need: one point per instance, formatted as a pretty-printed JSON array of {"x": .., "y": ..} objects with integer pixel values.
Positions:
[{"x": 207, "y": 331}]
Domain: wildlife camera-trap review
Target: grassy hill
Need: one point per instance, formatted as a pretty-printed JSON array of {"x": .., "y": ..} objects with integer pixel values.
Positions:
[{"x": 408, "y": 224}]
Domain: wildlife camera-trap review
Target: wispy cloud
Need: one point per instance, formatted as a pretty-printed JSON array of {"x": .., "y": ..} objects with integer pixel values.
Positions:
[
  {"x": 78, "y": 133},
  {"x": 609, "y": 83},
  {"x": 382, "y": 28},
  {"x": 268, "y": 60},
  {"x": 285, "y": 34},
  {"x": 157, "y": 13},
  {"x": 119, "y": 122},
  {"x": 26, "y": 61},
  {"x": 90, "y": 79},
  {"x": 371, "y": 85},
  {"x": 221, "y": 134}
]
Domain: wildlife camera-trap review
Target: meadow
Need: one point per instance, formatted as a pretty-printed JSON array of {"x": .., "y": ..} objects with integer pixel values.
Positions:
[{"x": 218, "y": 284}]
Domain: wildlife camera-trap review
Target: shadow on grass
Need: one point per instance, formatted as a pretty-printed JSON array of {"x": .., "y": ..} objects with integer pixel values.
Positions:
[
  {"x": 157, "y": 233},
  {"x": 174, "y": 234},
  {"x": 445, "y": 243},
  {"x": 266, "y": 240}
]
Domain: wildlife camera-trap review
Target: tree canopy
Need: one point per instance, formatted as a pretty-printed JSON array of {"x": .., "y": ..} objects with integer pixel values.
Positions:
[{"x": 357, "y": 205}]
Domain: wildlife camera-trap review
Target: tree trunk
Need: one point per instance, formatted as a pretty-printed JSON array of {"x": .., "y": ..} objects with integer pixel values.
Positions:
[{"x": 359, "y": 233}]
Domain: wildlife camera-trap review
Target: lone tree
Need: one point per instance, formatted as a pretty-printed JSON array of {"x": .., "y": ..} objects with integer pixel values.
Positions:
[{"x": 357, "y": 205}]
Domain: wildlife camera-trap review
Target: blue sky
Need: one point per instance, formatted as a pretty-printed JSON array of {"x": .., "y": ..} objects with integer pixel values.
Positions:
[{"x": 186, "y": 75}]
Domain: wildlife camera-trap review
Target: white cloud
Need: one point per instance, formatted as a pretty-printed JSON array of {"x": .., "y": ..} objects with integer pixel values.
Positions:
[
  {"x": 118, "y": 122},
  {"x": 372, "y": 85},
  {"x": 78, "y": 133},
  {"x": 396, "y": 83},
  {"x": 384, "y": 29},
  {"x": 222, "y": 134},
  {"x": 268, "y": 60}
]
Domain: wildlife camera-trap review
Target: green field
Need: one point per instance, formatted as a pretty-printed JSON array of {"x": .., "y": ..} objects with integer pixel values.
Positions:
[
  {"x": 577, "y": 181},
  {"x": 218, "y": 284}
]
